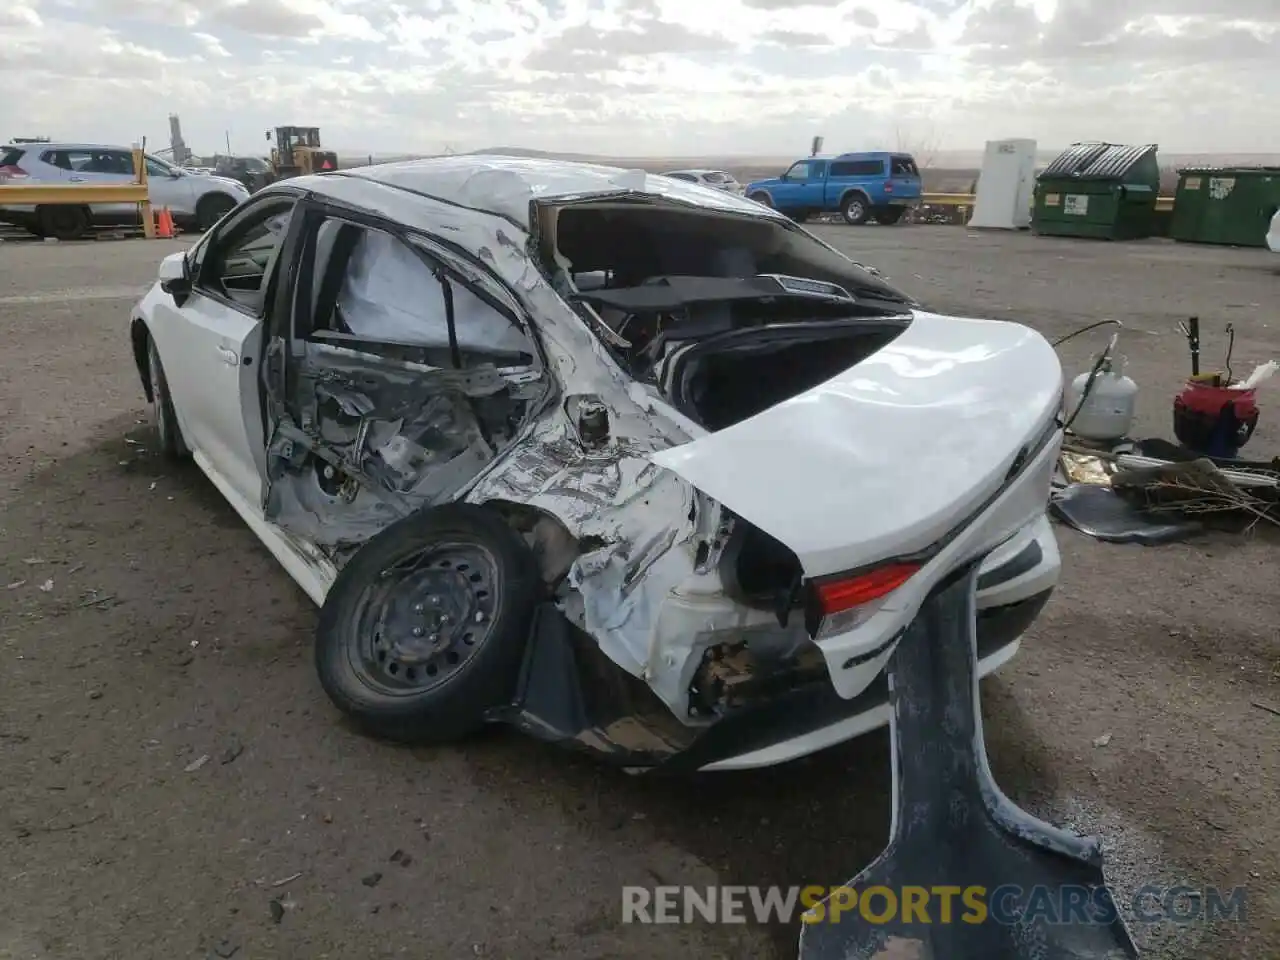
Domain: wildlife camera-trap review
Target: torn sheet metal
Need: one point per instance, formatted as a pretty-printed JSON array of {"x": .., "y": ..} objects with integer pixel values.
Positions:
[
  {"x": 377, "y": 439},
  {"x": 641, "y": 528},
  {"x": 953, "y": 827}
]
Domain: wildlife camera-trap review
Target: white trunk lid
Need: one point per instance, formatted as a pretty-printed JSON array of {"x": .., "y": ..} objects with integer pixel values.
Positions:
[{"x": 891, "y": 455}]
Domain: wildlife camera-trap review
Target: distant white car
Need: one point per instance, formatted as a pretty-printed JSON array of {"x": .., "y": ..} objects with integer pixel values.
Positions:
[
  {"x": 1273, "y": 235},
  {"x": 716, "y": 179},
  {"x": 196, "y": 200}
]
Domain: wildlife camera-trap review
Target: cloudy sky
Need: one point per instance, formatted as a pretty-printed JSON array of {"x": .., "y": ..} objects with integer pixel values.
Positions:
[{"x": 646, "y": 77}]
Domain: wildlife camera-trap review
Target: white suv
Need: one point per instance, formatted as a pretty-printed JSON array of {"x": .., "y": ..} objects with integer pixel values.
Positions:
[
  {"x": 715, "y": 179},
  {"x": 195, "y": 200}
]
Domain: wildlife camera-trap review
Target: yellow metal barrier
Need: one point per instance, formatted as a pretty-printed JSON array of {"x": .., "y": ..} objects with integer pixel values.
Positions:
[
  {"x": 80, "y": 193},
  {"x": 967, "y": 199}
]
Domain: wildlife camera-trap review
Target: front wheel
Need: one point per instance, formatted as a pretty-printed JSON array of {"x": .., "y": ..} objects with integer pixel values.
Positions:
[
  {"x": 762, "y": 198},
  {"x": 424, "y": 630},
  {"x": 163, "y": 419},
  {"x": 63, "y": 221},
  {"x": 854, "y": 210},
  {"x": 213, "y": 208}
]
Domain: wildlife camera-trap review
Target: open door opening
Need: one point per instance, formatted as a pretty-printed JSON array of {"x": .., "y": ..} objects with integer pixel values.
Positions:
[{"x": 407, "y": 372}]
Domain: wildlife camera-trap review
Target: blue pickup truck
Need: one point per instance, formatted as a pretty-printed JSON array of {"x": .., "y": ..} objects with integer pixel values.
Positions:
[{"x": 858, "y": 186}]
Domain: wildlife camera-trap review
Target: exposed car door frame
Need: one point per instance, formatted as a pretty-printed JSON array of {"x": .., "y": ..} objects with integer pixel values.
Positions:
[
  {"x": 211, "y": 320},
  {"x": 291, "y": 327}
]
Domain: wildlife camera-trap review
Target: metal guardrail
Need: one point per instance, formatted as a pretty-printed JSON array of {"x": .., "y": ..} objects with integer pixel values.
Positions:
[
  {"x": 76, "y": 194},
  {"x": 967, "y": 200},
  {"x": 57, "y": 193}
]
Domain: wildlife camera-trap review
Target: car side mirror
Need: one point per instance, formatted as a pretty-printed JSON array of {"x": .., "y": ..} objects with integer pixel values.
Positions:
[
  {"x": 174, "y": 173},
  {"x": 175, "y": 277}
]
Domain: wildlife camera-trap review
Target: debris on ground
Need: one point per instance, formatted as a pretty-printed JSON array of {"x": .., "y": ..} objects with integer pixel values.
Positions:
[
  {"x": 47, "y": 586},
  {"x": 1102, "y": 741},
  {"x": 277, "y": 911},
  {"x": 225, "y": 948},
  {"x": 1157, "y": 492},
  {"x": 372, "y": 880},
  {"x": 233, "y": 750},
  {"x": 197, "y": 763},
  {"x": 289, "y": 879}
]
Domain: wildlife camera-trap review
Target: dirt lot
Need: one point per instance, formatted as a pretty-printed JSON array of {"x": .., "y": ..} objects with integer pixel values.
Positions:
[{"x": 143, "y": 629}]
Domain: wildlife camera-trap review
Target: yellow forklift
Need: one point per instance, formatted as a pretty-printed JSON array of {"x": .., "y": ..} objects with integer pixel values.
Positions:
[{"x": 297, "y": 151}]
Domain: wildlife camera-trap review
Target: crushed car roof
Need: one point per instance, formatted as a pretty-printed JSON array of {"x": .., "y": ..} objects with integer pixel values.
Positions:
[{"x": 505, "y": 186}]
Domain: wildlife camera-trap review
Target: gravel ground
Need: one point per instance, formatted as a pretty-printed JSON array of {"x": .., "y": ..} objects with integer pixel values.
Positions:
[{"x": 173, "y": 782}]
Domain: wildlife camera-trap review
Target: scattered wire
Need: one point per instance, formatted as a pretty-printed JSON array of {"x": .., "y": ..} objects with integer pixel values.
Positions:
[
  {"x": 1231, "y": 347},
  {"x": 1086, "y": 329}
]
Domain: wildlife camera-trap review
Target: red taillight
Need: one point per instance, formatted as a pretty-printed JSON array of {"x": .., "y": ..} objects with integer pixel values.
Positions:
[
  {"x": 836, "y": 596},
  {"x": 888, "y": 186},
  {"x": 12, "y": 171}
]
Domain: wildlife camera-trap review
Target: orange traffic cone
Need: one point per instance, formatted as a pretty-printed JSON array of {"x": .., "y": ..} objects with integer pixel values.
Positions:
[{"x": 164, "y": 224}]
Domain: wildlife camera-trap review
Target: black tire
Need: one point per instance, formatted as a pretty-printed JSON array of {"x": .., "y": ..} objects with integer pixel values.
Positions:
[
  {"x": 384, "y": 675},
  {"x": 762, "y": 198},
  {"x": 213, "y": 208},
  {"x": 168, "y": 433},
  {"x": 63, "y": 221},
  {"x": 855, "y": 209},
  {"x": 888, "y": 216}
]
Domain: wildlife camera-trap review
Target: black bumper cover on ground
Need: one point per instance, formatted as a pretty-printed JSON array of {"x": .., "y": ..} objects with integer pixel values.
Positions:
[{"x": 953, "y": 827}]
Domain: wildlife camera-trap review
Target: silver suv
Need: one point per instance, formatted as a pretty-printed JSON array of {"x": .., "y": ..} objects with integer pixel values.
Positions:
[{"x": 196, "y": 200}]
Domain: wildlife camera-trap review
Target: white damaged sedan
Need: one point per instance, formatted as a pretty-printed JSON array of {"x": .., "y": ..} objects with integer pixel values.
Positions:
[{"x": 630, "y": 464}]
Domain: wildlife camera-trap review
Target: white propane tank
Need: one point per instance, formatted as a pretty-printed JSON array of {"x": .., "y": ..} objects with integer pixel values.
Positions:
[{"x": 1108, "y": 408}]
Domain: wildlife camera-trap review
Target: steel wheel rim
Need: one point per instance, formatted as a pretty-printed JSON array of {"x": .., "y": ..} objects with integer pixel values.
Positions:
[
  {"x": 424, "y": 618},
  {"x": 854, "y": 209}
]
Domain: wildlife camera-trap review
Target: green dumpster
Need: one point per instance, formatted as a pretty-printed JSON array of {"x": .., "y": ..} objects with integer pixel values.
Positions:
[
  {"x": 1227, "y": 205},
  {"x": 1102, "y": 190}
]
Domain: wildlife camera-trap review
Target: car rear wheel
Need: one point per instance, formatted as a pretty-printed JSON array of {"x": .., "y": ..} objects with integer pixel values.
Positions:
[
  {"x": 423, "y": 633},
  {"x": 168, "y": 433},
  {"x": 213, "y": 208},
  {"x": 62, "y": 221},
  {"x": 854, "y": 209}
]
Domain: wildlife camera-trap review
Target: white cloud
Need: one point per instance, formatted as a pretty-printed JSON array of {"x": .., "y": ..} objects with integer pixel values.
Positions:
[{"x": 632, "y": 77}]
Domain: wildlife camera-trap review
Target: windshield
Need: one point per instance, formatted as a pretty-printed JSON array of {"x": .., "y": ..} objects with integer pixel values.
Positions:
[
  {"x": 157, "y": 167},
  {"x": 716, "y": 176}
]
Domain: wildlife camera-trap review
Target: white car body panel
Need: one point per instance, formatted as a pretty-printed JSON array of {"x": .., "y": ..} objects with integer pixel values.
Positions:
[
  {"x": 203, "y": 345},
  {"x": 880, "y": 460},
  {"x": 883, "y": 459},
  {"x": 1273, "y": 234}
]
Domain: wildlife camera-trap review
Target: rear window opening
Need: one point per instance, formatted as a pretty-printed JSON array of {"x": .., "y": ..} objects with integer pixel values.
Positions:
[
  {"x": 628, "y": 243},
  {"x": 732, "y": 379},
  {"x": 904, "y": 167},
  {"x": 727, "y": 315}
]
